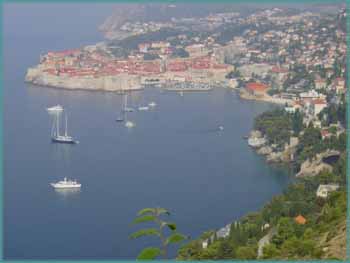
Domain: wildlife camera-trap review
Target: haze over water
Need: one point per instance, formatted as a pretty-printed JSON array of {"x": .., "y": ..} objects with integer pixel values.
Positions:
[{"x": 175, "y": 157}]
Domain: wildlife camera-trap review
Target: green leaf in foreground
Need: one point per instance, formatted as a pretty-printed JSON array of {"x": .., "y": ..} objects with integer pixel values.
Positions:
[
  {"x": 145, "y": 232},
  {"x": 149, "y": 253},
  {"x": 171, "y": 236},
  {"x": 172, "y": 226},
  {"x": 175, "y": 238},
  {"x": 162, "y": 211},
  {"x": 146, "y": 218},
  {"x": 146, "y": 211}
]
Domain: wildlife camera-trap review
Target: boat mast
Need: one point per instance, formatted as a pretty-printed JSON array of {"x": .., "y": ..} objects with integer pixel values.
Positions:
[
  {"x": 53, "y": 128},
  {"x": 66, "y": 125},
  {"x": 125, "y": 106},
  {"x": 58, "y": 124},
  {"x": 123, "y": 100}
]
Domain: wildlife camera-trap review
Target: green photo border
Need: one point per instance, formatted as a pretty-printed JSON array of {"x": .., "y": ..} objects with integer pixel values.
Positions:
[{"x": 3, "y": 2}]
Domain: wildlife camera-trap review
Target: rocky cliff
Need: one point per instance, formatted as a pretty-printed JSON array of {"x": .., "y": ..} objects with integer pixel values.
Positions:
[{"x": 316, "y": 165}]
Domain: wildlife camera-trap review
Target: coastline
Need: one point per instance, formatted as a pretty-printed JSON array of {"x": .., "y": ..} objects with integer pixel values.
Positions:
[
  {"x": 243, "y": 94},
  {"x": 284, "y": 154}
]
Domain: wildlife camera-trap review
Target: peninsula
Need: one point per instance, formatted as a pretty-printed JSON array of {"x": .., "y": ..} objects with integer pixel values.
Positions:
[{"x": 94, "y": 68}]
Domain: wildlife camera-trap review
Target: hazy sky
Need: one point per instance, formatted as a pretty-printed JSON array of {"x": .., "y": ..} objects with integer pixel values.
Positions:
[{"x": 57, "y": 18}]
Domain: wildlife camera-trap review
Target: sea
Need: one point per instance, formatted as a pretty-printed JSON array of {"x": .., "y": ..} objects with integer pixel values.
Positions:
[{"x": 174, "y": 157}]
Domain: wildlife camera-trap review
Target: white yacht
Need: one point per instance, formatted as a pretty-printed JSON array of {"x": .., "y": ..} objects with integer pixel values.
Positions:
[
  {"x": 129, "y": 124},
  {"x": 143, "y": 108},
  {"x": 152, "y": 104},
  {"x": 128, "y": 109},
  {"x": 57, "y": 108},
  {"x": 66, "y": 184}
]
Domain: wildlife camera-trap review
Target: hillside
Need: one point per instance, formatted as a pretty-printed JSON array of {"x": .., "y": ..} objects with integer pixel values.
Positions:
[{"x": 303, "y": 222}]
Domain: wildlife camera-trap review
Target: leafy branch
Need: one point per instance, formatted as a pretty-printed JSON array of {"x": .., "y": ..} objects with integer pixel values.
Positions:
[{"x": 155, "y": 215}]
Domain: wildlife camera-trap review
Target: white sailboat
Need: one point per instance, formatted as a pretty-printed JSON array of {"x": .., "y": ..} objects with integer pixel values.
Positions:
[
  {"x": 121, "y": 116},
  {"x": 54, "y": 109},
  {"x": 128, "y": 124},
  {"x": 126, "y": 108},
  {"x": 56, "y": 137}
]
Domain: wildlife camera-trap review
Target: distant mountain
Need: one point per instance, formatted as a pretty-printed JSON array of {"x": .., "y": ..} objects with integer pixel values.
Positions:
[
  {"x": 121, "y": 14},
  {"x": 164, "y": 12}
]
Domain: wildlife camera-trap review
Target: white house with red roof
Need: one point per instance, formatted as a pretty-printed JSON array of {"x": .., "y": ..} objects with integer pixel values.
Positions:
[
  {"x": 318, "y": 105},
  {"x": 339, "y": 85}
]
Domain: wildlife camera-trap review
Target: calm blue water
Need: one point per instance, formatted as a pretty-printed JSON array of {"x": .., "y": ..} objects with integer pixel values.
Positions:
[{"x": 173, "y": 158}]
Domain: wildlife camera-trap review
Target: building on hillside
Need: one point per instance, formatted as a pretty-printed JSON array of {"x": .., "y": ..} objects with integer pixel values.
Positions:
[
  {"x": 233, "y": 83},
  {"x": 324, "y": 189},
  {"x": 325, "y": 134},
  {"x": 223, "y": 232},
  {"x": 298, "y": 105},
  {"x": 318, "y": 105},
  {"x": 317, "y": 123},
  {"x": 300, "y": 220},
  {"x": 320, "y": 83},
  {"x": 205, "y": 244},
  {"x": 143, "y": 47},
  {"x": 312, "y": 94},
  {"x": 339, "y": 85},
  {"x": 195, "y": 49},
  {"x": 256, "y": 89},
  {"x": 160, "y": 44}
]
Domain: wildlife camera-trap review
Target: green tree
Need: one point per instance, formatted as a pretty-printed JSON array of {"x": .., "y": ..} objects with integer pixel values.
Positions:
[
  {"x": 271, "y": 251},
  {"x": 297, "y": 122},
  {"x": 226, "y": 249},
  {"x": 246, "y": 252},
  {"x": 285, "y": 230},
  {"x": 155, "y": 215},
  {"x": 276, "y": 125}
]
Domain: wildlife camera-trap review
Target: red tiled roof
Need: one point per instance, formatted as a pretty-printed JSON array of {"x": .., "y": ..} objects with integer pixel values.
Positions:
[
  {"x": 276, "y": 69},
  {"x": 319, "y": 101},
  {"x": 300, "y": 220},
  {"x": 255, "y": 86},
  {"x": 324, "y": 133}
]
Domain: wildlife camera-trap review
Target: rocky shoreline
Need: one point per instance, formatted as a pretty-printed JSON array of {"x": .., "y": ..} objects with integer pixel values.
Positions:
[
  {"x": 243, "y": 94},
  {"x": 286, "y": 155}
]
